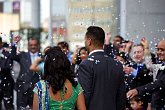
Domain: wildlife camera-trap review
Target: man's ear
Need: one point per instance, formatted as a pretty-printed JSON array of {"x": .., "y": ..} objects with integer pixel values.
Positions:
[{"x": 89, "y": 41}]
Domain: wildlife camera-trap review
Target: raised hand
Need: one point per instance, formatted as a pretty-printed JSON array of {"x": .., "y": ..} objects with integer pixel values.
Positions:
[
  {"x": 144, "y": 42},
  {"x": 132, "y": 93},
  {"x": 127, "y": 70},
  {"x": 16, "y": 39}
]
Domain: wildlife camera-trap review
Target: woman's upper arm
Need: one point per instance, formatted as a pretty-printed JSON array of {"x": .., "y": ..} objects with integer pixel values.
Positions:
[
  {"x": 81, "y": 102},
  {"x": 35, "y": 102}
]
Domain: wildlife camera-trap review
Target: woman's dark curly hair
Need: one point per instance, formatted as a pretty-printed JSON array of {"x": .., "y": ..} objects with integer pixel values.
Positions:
[{"x": 57, "y": 69}]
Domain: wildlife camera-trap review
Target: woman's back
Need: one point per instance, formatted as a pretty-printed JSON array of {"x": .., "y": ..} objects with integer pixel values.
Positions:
[
  {"x": 64, "y": 99},
  {"x": 59, "y": 90}
]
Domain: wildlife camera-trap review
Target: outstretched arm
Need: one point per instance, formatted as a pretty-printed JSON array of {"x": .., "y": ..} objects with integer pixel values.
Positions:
[{"x": 150, "y": 87}]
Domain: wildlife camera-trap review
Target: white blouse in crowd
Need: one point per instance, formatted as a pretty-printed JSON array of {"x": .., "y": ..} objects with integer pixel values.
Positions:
[{"x": 153, "y": 67}]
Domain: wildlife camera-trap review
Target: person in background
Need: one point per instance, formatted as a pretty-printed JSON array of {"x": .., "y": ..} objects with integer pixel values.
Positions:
[
  {"x": 156, "y": 88},
  {"x": 79, "y": 55},
  {"x": 59, "y": 89},
  {"x": 38, "y": 64},
  {"x": 136, "y": 103},
  {"x": 6, "y": 80},
  {"x": 27, "y": 78},
  {"x": 101, "y": 76},
  {"x": 125, "y": 46},
  {"x": 152, "y": 63},
  {"x": 124, "y": 59},
  {"x": 117, "y": 40},
  {"x": 141, "y": 75},
  {"x": 65, "y": 48},
  {"x": 112, "y": 49}
]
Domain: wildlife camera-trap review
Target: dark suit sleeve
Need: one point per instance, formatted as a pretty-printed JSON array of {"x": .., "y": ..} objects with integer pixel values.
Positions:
[
  {"x": 14, "y": 54},
  {"x": 85, "y": 77},
  {"x": 157, "y": 85},
  {"x": 121, "y": 94},
  {"x": 13, "y": 51}
]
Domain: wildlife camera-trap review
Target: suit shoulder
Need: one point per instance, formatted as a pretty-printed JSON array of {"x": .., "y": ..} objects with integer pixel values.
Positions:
[{"x": 23, "y": 53}]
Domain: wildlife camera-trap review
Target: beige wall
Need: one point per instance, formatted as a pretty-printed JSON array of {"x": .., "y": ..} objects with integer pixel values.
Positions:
[{"x": 8, "y": 22}]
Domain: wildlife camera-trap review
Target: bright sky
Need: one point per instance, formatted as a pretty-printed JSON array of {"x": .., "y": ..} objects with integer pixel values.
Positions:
[{"x": 58, "y": 8}]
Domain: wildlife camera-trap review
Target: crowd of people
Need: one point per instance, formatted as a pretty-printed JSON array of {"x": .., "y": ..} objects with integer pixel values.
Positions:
[{"x": 102, "y": 75}]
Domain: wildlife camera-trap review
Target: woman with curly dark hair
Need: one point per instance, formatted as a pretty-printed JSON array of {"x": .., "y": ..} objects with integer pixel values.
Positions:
[{"x": 59, "y": 90}]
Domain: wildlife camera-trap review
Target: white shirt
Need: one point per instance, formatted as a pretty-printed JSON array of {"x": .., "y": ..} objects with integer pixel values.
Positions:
[
  {"x": 33, "y": 56},
  {"x": 99, "y": 50}
]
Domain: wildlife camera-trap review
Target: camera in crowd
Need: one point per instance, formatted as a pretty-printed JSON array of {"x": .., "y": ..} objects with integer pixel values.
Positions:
[{"x": 123, "y": 43}]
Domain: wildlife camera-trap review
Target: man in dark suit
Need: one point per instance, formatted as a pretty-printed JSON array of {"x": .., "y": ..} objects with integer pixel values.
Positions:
[
  {"x": 157, "y": 88},
  {"x": 100, "y": 76},
  {"x": 139, "y": 73},
  {"x": 26, "y": 78},
  {"x": 6, "y": 80}
]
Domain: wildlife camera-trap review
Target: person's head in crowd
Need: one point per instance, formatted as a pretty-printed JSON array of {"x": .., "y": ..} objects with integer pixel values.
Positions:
[
  {"x": 57, "y": 69},
  {"x": 136, "y": 102},
  {"x": 122, "y": 45},
  {"x": 94, "y": 38},
  {"x": 0, "y": 42},
  {"x": 64, "y": 46},
  {"x": 33, "y": 45},
  {"x": 122, "y": 57},
  {"x": 117, "y": 40},
  {"x": 161, "y": 50},
  {"x": 81, "y": 55},
  {"x": 44, "y": 51},
  {"x": 138, "y": 53}
]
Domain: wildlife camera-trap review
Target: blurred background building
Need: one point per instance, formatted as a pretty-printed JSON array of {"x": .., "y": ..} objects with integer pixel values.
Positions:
[
  {"x": 52, "y": 21},
  {"x": 83, "y": 13}
]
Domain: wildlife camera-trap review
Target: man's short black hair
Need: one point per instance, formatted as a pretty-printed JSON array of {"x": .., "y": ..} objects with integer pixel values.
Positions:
[{"x": 97, "y": 35}]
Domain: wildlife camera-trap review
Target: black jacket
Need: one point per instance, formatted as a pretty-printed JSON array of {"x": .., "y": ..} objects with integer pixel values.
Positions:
[
  {"x": 102, "y": 79},
  {"x": 157, "y": 88},
  {"x": 143, "y": 76},
  {"x": 6, "y": 61},
  {"x": 26, "y": 78}
]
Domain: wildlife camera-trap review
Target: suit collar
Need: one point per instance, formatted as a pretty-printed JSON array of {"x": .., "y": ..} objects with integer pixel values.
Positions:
[{"x": 94, "y": 51}]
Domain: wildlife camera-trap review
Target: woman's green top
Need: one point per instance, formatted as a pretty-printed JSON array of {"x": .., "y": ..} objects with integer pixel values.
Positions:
[{"x": 68, "y": 104}]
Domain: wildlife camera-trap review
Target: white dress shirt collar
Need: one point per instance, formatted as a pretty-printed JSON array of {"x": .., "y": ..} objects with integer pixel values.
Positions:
[
  {"x": 99, "y": 50},
  {"x": 34, "y": 54}
]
